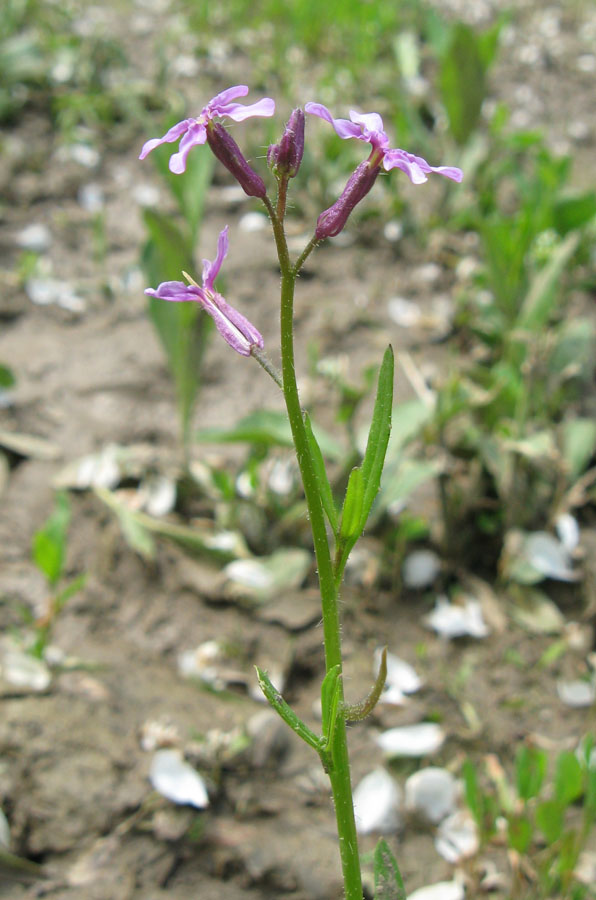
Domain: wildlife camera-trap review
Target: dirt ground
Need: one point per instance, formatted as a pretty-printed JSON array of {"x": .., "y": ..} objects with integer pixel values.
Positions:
[{"x": 73, "y": 772}]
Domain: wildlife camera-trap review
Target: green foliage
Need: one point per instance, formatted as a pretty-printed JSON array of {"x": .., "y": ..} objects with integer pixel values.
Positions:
[
  {"x": 48, "y": 550},
  {"x": 549, "y": 818},
  {"x": 388, "y": 881},
  {"x": 49, "y": 543},
  {"x": 463, "y": 77}
]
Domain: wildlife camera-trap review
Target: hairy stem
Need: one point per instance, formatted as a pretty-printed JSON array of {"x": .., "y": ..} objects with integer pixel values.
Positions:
[{"x": 339, "y": 769}]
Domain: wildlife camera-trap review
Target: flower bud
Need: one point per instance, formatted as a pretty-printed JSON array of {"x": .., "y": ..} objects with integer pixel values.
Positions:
[
  {"x": 284, "y": 158},
  {"x": 228, "y": 152},
  {"x": 332, "y": 220}
]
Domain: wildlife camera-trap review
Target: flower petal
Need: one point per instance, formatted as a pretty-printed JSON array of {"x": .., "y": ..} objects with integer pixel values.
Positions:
[
  {"x": 196, "y": 134},
  {"x": 370, "y": 123},
  {"x": 234, "y": 328},
  {"x": 175, "y": 291},
  {"x": 225, "y": 97},
  {"x": 400, "y": 159},
  {"x": 211, "y": 269},
  {"x": 169, "y": 137},
  {"x": 344, "y": 128},
  {"x": 238, "y": 111}
]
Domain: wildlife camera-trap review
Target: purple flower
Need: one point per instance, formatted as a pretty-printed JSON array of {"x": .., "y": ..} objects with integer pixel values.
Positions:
[
  {"x": 232, "y": 325},
  {"x": 369, "y": 127},
  {"x": 194, "y": 131}
]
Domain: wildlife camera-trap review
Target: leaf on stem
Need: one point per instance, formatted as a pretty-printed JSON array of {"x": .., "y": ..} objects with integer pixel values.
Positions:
[
  {"x": 286, "y": 712},
  {"x": 388, "y": 881},
  {"x": 358, "y": 711},
  {"x": 325, "y": 491},
  {"x": 330, "y": 693}
]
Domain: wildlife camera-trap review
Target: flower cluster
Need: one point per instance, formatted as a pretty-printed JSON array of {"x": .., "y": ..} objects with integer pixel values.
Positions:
[{"x": 284, "y": 159}]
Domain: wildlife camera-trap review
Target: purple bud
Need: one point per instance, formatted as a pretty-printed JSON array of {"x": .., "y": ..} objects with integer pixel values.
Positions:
[
  {"x": 284, "y": 158},
  {"x": 332, "y": 220},
  {"x": 228, "y": 152}
]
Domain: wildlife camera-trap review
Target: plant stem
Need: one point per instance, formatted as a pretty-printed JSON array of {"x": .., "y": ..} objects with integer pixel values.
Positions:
[{"x": 339, "y": 769}]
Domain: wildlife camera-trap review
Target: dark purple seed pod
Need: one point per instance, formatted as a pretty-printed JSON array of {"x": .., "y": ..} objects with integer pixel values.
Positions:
[
  {"x": 228, "y": 152},
  {"x": 332, "y": 220},
  {"x": 284, "y": 158}
]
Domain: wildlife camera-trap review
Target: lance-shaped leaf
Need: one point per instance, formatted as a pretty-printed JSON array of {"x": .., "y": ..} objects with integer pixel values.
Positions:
[
  {"x": 364, "y": 482},
  {"x": 330, "y": 697},
  {"x": 388, "y": 881},
  {"x": 325, "y": 491},
  {"x": 378, "y": 437},
  {"x": 351, "y": 514},
  {"x": 286, "y": 712}
]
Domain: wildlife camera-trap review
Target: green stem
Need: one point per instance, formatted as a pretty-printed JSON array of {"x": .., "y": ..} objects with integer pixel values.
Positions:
[{"x": 339, "y": 769}]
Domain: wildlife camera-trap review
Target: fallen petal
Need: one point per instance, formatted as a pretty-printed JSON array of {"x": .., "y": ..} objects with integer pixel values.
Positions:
[
  {"x": 412, "y": 740},
  {"x": 431, "y": 793},
  {"x": 377, "y": 801},
  {"x": 421, "y": 568},
  {"x": 453, "y": 620},
  {"x": 176, "y": 780},
  {"x": 442, "y": 890},
  {"x": 578, "y": 693},
  {"x": 457, "y": 837}
]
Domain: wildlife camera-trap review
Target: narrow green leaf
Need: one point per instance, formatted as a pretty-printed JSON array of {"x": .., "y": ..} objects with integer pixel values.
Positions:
[
  {"x": 286, "y": 712},
  {"x": 7, "y": 379},
  {"x": 49, "y": 543},
  {"x": 519, "y": 832},
  {"x": 569, "y": 779},
  {"x": 388, "y": 881},
  {"x": 550, "y": 819},
  {"x": 462, "y": 81},
  {"x": 351, "y": 514},
  {"x": 330, "y": 694},
  {"x": 537, "y": 305},
  {"x": 325, "y": 491},
  {"x": 378, "y": 437},
  {"x": 530, "y": 769}
]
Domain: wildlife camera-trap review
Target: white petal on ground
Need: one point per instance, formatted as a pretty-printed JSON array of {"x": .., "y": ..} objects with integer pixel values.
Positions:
[
  {"x": 404, "y": 312},
  {"x": 25, "y": 671},
  {"x": 175, "y": 779},
  {"x": 578, "y": 693},
  {"x": 377, "y": 801},
  {"x": 549, "y": 556},
  {"x": 47, "y": 291},
  {"x": 442, "y": 890},
  {"x": 250, "y": 573},
  {"x": 402, "y": 678},
  {"x": 420, "y": 568},
  {"x": 431, "y": 793},
  {"x": 453, "y": 620},
  {"x": 457, "y": 837},
  {"x": 412, "y": 740},
  {"x": 35, "y": 237},
  {"x": 567, "y": 529}
]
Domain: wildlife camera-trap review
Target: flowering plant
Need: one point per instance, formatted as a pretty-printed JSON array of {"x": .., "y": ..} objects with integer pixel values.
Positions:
[{"x": 335, "y": 531}]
